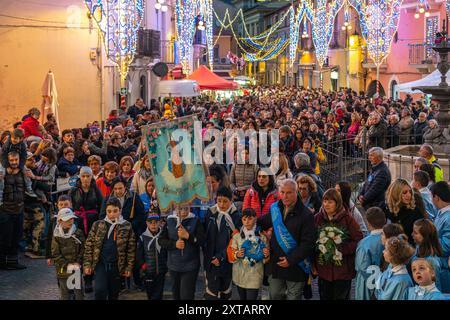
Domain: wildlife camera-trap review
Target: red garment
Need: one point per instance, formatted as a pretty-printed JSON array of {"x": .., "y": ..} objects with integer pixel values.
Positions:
[
  {"x": 251, "y": 200},
  {"x": 353, "y": 130},
  {"x": 31, "y": 127},
  {"x": 104, "y": 187},
  {"x": 83, "y": 215},
  {"x": 345, "y": 221}
]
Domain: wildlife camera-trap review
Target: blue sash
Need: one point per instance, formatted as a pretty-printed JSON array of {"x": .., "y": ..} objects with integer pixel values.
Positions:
[{"x": 285, "y": 240}]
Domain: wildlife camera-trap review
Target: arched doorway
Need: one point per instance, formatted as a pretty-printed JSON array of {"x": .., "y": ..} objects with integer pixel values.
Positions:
[
  {"x": 393, "y": 90},
  {"x": 372, "y": 89}
]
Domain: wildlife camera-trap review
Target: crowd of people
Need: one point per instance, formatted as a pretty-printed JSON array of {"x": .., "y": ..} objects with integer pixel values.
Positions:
[{"x": 282, "y": 231}]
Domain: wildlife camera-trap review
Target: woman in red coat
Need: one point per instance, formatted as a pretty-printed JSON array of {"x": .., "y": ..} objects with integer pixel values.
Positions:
[
  {"x": 335, "y": 270},
  {"x": 261, "y": 194}
]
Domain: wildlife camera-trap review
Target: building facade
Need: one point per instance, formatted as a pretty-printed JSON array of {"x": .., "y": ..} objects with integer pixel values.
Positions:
[{"x": 58, "y": 35}]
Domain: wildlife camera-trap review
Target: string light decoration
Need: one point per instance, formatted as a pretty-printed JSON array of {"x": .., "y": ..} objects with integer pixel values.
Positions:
[
  {"x": 254, "y": 48},
  {"x": 322, "y": 20},
  {"x": 119, "y": 22},
  {"x": 430, "y": 36},
  {"x": 187, "y": 12},
  {"x": 185, "y": 30},
  {"x": 381, "y": 19},
  {"x": 205, "y": 8},
  {"x": 294, "y": 30}
]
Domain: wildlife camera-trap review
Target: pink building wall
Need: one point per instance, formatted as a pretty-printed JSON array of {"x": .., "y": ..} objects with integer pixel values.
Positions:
[{"x": 410, "y": 31}]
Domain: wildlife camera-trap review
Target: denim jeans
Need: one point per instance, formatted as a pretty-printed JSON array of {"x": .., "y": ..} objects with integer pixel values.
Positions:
[
  {"x": 184, "y": 284},
  {"x": 280, "y": 289}
]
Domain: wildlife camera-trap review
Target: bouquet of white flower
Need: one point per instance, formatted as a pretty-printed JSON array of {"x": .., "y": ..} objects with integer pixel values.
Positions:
[{"x": 330, "y": 236}]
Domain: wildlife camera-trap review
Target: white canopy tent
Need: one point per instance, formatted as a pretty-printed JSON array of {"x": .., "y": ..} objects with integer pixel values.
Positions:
[
  {"x": 433, "y": 79},
  {"x": 178, "y": 88}
]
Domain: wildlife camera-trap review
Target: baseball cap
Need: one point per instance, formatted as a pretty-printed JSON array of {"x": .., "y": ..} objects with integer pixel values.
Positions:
[{"x": 66, "y": 214}]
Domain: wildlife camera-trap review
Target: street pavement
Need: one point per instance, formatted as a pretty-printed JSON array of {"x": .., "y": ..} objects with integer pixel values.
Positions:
[{"x": 38, "y": 282}]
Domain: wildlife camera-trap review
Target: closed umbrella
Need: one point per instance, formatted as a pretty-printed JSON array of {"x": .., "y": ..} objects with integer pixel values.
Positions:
[{"x": 50, "y": 98}]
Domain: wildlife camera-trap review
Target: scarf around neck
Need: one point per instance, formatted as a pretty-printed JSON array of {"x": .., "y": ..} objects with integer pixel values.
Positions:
[
  {"x": 227, "y": 217},
  {"x": 153, "y": 238},
  {"x": 118, "y": 221},
  {"x": 59, "y": 232}
]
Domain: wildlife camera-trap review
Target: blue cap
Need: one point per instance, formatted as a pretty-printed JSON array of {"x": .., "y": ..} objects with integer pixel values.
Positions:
[{"x": 153, "y": 216}]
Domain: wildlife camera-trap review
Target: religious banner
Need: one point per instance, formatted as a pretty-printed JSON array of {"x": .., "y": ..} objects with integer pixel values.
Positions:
[{"x": 176, "y": 162}]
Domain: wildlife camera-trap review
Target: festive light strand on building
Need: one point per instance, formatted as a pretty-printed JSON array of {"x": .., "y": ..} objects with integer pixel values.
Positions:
[
  {"x": 322, "y": 20},
  {"x": 381, "y": 18},
  {"x": 430, "y": 36},
  {"x": 294, "y": 30},
  {"x": 205, "y": 9},
  {"x": 119, "y": 22}
]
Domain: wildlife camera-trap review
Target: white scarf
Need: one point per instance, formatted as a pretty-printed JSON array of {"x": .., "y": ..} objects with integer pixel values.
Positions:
[
  {"x": 118, "y": 221},
  {"x": 153, "y": 238},
  {"x": 59, "y": 232},
  {"x": 249, "y": 234},
  {"x": 227, "y": 217},
  {"x": 174, "y": 215}
]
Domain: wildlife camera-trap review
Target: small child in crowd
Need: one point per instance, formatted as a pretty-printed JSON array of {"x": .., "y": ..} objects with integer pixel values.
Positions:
[
  {"x": 152, "y": 258},
  {"x": 368, "y": 253},
  {"x": 64, "y": 201},
  {"x": 67, "y": 253},
  {"x": 389, "y": 230},
  {"x": 248, "y": 251},
  {"x": 395, "y": 280},
  {"x": 425, "y": 276}
]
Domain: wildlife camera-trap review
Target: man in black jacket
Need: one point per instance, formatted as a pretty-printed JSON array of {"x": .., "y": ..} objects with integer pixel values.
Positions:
[
  {"x": 287, "y": 278},
  {"x": 378, "y": 181},
  {"x": 11, "y": 214}
]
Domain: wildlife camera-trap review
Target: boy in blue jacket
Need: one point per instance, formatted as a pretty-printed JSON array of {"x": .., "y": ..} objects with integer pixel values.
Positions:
[
  {"x": 152, "y": 258},
  {"x": 221, "y": 222}
]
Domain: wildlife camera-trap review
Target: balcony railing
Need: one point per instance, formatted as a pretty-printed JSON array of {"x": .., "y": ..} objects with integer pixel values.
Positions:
[{"x": 421, "y": 53}]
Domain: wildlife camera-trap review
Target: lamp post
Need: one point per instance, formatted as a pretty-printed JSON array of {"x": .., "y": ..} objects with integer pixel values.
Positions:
[{"x": 160, "y": 6}]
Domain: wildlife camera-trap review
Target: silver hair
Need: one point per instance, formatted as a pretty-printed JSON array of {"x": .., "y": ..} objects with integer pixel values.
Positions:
[
  {"x": 289, "y": 182},
  {"x": 301, "y": 159},
  {"x": 377, "y": 151}
]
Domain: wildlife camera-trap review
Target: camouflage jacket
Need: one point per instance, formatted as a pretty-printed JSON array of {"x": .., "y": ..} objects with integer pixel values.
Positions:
[
  {"x": 126, "y": 245},
  {"x": 67, "y": 250}
]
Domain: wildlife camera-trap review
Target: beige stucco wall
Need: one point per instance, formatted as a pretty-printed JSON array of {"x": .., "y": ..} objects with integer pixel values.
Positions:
[{"x": 28, "y": 49}]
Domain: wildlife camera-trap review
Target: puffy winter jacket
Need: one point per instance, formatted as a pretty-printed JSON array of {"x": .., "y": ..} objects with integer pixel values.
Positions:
[
  {"x": 261, "y": 206},
  {"x": 30, "y": 127}
]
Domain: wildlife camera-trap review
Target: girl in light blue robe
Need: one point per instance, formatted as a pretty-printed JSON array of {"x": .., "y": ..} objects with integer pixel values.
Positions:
[
  {"x": 442, "y": 223},
  {"x": 395, "y": 280},
  {"x": 428, "y": 247},
  {"x": 424, "y": 275},
  {"x": 368, "y": 253}
]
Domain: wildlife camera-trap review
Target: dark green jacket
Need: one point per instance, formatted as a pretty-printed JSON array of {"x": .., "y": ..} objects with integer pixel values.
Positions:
[{"x": 67, "y": 250}]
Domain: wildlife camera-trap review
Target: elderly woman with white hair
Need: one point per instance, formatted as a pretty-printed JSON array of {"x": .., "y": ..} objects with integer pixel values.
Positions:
[
  {"x": 433, "y": 134},
  {"x": 393, "y": 131}
]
